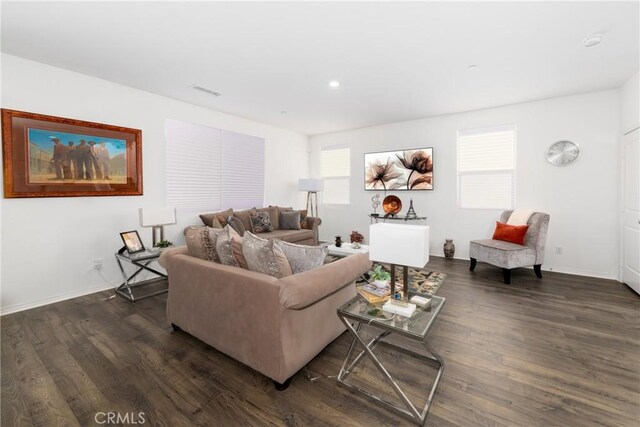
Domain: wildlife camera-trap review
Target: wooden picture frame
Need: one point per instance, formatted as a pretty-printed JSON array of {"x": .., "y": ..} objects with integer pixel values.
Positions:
[{"x": 49, "y": 156}]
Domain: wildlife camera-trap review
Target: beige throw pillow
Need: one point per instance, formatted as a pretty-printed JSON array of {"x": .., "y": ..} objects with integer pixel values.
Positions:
[
  {"x": 224, "y": 246},
  {"x": 264, "y": 256},
  {"x": 201, "y": 243},
  {"x": 303, "y": 258}
]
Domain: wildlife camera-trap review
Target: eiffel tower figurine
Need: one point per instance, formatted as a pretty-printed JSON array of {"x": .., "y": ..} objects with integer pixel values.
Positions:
[{"x": 411, "y": 213}]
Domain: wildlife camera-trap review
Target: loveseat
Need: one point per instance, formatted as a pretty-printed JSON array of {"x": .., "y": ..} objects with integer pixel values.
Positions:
[
  {"x": 305, "y": 236},
  {"x": 274, "y": 325}
]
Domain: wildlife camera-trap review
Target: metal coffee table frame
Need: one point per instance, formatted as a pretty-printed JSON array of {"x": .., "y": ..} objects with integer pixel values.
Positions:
[
  {"x": 125, "y": 290},
  {"x": 410, "y": 412}
]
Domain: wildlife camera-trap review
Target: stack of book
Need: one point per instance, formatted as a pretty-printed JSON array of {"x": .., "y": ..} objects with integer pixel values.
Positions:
[{"x": 374, "y": 294}]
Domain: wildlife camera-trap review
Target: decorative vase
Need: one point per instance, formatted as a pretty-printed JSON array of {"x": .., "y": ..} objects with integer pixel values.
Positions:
[
  {"x": 338, "y": 241},
  {"x": 449, "y": 248},
  {"x": 355, "y": 245}
]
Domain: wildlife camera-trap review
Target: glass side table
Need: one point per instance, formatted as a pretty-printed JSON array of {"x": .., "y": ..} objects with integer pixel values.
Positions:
[
  {"x": 141, "y": 261},
  {"x": 374, "y": 219},
  {"x": 416, "y": 328}
]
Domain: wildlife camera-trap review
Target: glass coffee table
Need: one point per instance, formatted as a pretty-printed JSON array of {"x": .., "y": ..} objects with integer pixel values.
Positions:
[{"x": 358, "y": 314}]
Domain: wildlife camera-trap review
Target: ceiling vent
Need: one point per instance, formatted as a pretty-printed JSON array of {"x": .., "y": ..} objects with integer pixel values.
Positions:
[{"x": 205, "y": 90}]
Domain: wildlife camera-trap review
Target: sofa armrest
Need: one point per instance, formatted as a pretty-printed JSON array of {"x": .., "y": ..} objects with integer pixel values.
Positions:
[
  {"x": 169, "y": 253},
  {"x": 303, "y": 289},
  {"x": 313, "y": 222}
]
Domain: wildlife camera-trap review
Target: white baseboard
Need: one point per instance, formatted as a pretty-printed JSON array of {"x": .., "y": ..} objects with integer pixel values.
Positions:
[
  {"x": 576, "y": 272},
  {"x": 50, "y": 300}
]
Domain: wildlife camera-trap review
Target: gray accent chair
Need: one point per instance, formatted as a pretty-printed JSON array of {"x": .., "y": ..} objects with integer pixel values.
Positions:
[{"x": 508, "y": 255}]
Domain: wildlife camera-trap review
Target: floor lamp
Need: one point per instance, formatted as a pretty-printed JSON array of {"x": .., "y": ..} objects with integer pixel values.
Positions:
[
  {"x": 403, "y": 245},
  {"x": 312, "y": 186}
]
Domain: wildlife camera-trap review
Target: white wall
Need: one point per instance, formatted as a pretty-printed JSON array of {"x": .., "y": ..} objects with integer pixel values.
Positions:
[
  {"x": 582, "y": 198},
  {"x": 49, "y": 244},
  {"x": 630, "y": 103}
]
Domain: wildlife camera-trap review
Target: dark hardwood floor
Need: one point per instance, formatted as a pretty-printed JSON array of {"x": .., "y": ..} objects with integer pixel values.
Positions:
[{"x": 564, "y": 350}]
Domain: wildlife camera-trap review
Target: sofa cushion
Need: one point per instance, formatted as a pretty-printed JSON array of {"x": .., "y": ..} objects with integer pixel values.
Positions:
[
  {"x": 264, "y": 256},
  {"x": 303, "y": 258},
  {"x": 260, "y": 221},
  {"x": 244, "y": 217},
  {"x": 237, "y": 225},
  {"x": 502, "y": 254},
  {"x": 225, "y": 247},
  {"x": 201, "y": 243},
  {"x": 207, "y": 219},
  {"x": 289, "y": 235},
  {"x": 290, "y": 220}
]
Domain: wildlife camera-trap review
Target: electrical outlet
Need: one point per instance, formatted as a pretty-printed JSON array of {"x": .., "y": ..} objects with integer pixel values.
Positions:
[
  {"x": 97, "y": 264},
  {"x": 558, "y": 250}
]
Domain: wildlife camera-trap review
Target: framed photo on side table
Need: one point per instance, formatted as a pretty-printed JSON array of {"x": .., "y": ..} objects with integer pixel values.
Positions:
[
  {"x": 48, "y": 156},
  {"x": 132, "y": 242}
]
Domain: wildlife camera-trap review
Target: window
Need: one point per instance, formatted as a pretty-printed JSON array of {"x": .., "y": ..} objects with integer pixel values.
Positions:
[
  {"x": 209, "y": 169},
  {"x": 486, "y": 168},
  {"x": 335, "y": 170}
]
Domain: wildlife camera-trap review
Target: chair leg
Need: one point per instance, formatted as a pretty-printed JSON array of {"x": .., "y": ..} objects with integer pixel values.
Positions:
[
  {"x": 506, "y": 274},
  {"x": 538, "y": 270},
  {"x": 283, "y": 386},
  {"x": 473, "y": 264}
]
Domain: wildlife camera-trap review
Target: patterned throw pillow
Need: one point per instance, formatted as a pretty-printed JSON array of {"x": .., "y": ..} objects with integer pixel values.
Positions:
[
  {"x": 290, "y": 220},
  {"x": 264, "y": 256},
  {"x": 201, "y": 243},
  {"x": 260, "y": 222},
  {"x": 303, "y": 258},
  {"x": 224, "y": 247}
]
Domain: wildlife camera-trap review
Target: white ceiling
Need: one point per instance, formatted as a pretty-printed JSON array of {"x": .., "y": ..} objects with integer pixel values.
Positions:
[{"x": 396, "y": 61}]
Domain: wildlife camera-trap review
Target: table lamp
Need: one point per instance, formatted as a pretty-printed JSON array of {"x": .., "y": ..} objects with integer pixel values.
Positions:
[
  {"x": 405, "y": 245},
  {"x": 157, "y": 218},
  {"x": 312, "y": 186}
]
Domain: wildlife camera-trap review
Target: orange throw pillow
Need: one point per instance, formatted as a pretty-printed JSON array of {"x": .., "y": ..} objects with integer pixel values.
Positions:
[{"x": 510, "y": 233}]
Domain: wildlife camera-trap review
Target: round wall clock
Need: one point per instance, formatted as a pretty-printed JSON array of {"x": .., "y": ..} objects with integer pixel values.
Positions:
[{"x": 563, "y": 153}]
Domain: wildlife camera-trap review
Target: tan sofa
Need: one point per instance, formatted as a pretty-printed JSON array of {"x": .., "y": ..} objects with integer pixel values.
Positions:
[
  {"x": 308, "y": 236},
  {"x": 275, "y": 326}
]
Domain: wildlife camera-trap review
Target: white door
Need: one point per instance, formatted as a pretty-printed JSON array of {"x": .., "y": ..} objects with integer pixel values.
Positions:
[{"x": 631, "y": 213}]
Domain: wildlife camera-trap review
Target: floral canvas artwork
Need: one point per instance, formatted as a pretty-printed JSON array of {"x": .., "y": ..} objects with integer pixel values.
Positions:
[{"x": 399, "y": 170}]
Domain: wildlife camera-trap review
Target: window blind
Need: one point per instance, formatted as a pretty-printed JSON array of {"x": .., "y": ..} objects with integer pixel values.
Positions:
[
  {"x": 335, "y": 170},
  {"x": 211, "y": 169},
  {"x": 486, "y": 168}
]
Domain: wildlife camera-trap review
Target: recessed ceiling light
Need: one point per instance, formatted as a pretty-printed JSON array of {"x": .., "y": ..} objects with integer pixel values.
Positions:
[
  {"x": 334, "y": 84},
  {"x": 472, "y": 67},
  {"x": 592, "y": 40}
]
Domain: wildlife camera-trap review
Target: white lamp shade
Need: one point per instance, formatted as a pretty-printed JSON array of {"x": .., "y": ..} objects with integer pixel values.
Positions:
[
  {"x": 400, "y": 244},
  {"x": 310, "y": 184},
  {"x": 157, "y": 216}
]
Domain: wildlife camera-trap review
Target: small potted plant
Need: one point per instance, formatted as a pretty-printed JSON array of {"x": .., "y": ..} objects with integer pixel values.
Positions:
[
  {"x": 356, "y": 239},
  {"x": 163, "y": 244},
  {"x": 379, "y": 277}
]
